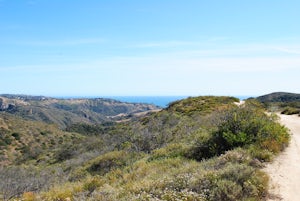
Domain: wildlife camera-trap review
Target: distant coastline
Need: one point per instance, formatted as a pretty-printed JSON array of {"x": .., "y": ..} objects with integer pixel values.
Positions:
[{"x": 161, "y": 101}]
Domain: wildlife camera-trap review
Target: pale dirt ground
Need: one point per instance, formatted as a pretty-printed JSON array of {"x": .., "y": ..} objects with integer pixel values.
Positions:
[
  {"x": 239, "y": 103},
  {"x": 284, "y": 171}
]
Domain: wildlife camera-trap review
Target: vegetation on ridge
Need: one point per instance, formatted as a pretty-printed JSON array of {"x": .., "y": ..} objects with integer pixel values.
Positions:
[{"x": 202, "y": 148}]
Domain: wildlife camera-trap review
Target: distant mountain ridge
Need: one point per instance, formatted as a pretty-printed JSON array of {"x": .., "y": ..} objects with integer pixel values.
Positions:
[
  {"x": 283, "y": 102},
  {"x": 279, "y": 97},
  {"x": 65, "y": 112}
]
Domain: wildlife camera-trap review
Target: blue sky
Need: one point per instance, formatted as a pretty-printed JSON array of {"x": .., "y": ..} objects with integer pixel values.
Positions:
[{"x": 149, "y": 47}]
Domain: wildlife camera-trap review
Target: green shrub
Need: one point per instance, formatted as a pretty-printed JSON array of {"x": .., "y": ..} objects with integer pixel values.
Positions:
[
  {"x": 236, "y": 156},
  {"x": 231, "y": 181},
  {"x": 201, "y": 147},
  {"x": 46, "y": 132},
  {"x": 65, "y": 152},
  {"x": 237, "y": 127},
  {"x": 238, "y": 173},
  {"x": 170, "y": 151},
  {"x": 7, "y": 140},
  {"x": 2, "y": 143},
  {"x": 112, "y": 160},
  {"x": 226, "y": 190},
  {"x": 240, "y": 127},
  {"x": 273, "y": 137},
  {"x": 260, "y": 154},
  {"x": 290, "y": 111},
  {"x": 89, "y": 130},
  {"x": 92, "y": 184},
  {"x": 16, "y": 136}
]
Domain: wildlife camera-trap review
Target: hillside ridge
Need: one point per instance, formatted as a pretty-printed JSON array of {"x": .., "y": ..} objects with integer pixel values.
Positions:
[
  {"x": 65, "y": 112},
  {"x": 279, "y": 97}
]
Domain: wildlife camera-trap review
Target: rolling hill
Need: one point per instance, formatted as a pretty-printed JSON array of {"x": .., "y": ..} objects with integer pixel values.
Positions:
[
  {"x": 285, "y": 103},
  {"x": 65, "y": 112},
  {"x": 282, "y": 97},
  {"x": 24, "y": 140},
  {"x": 199, "y": 148}
]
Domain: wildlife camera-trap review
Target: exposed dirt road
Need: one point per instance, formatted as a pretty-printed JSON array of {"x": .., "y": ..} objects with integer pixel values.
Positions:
[{"x": 284, "y": 171}]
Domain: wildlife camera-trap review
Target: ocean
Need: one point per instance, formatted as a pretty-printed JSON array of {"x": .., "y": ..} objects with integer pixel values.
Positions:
[{"x": 161, "y": 101}]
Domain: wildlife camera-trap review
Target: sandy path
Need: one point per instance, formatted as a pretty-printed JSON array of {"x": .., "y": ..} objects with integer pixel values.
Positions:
[{"x": 285, "y": 170}]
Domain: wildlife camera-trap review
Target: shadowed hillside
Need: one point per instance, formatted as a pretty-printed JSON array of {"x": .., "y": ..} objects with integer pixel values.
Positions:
[
  {"x": 286, "y": 103},
  {"x": 282, "y": 97}
]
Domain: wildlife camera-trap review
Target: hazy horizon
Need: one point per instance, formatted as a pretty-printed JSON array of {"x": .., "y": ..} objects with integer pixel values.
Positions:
[
  {"x": 162, "y": 101},
  {"x": 130, "y": 96}
]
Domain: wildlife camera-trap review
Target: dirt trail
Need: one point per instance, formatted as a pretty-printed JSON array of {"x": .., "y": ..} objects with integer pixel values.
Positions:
[{"x": 284, "y": 171}]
